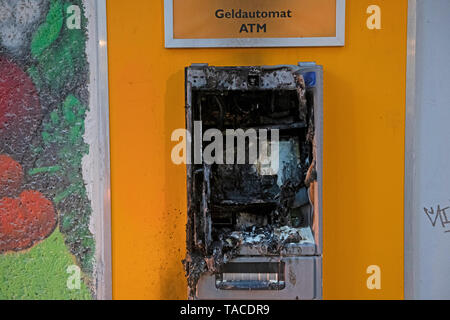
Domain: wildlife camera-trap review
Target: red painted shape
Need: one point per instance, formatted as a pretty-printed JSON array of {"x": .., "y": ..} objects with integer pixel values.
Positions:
[
  {"x": 20, "y": 110},
  {"x": 25, "y": 221},
  {"x": 13, "y": 227},
  {"x": 41, "y": 214},
  {"x": 11, "y": 176}
]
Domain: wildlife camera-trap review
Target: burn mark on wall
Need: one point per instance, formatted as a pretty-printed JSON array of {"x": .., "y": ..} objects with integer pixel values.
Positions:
[{"x": 234, "y": 209}]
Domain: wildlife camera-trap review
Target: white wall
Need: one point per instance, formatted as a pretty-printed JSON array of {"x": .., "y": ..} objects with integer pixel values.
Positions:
[{"x": 427, "y": 263}]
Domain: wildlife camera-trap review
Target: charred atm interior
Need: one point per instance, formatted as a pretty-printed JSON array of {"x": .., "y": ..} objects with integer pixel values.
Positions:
[{"x": 254, "y": 232}]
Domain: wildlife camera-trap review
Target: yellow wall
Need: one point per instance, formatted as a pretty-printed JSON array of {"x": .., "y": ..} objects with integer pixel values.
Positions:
[{"x": 364, "y": 99}]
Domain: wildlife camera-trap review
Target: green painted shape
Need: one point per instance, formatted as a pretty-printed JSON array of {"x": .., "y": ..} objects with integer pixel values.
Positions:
[
  {"x": 40, "y": 273},
  {"x": 53, "y": 169},
  {"x": 54, "y": 117},
  {"x": 72, "y": 189},
  {"x": 69, "y": 105},
  {"x": 59, "y": 56},
  {"x": 49, "y": 31},
  {"x": 61, "y": 63}
]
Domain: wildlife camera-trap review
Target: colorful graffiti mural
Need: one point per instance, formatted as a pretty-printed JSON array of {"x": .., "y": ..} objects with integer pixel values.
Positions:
[{"x": 45, "y": 212}]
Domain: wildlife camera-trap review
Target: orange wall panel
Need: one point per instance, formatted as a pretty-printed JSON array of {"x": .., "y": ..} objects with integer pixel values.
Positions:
[{"x": 364, "y": 103}]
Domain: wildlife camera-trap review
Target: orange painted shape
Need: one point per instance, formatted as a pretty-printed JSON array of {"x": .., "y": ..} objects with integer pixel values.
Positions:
[{"x": 364, "y": 111}]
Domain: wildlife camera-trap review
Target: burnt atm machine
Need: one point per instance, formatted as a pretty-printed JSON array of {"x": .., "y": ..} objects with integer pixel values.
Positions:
[{"x": 254, "y": 232}]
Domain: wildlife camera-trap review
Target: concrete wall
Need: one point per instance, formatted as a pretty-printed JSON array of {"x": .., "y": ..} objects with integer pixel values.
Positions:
[{"x": 50, "y": 213}]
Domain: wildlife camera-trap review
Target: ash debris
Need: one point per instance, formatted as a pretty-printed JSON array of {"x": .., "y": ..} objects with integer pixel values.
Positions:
[
  {"x": 274, "y": 239},
  {"x": 266, "y": 239}
]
